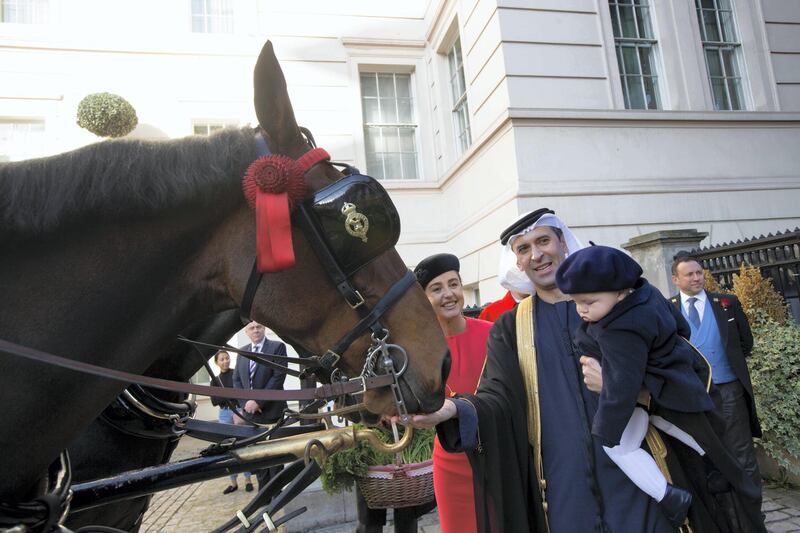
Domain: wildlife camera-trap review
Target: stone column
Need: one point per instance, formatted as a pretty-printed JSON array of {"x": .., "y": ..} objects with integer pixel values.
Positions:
[{"x": 654, "y": 251}]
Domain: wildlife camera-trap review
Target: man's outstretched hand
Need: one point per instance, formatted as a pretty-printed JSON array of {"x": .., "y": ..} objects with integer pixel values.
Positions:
[{"x": 430, "y": 420}]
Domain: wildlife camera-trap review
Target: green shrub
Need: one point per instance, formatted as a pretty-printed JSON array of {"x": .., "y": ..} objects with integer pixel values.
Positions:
[
  {"x": 775, "y": 371},
  {"x": 107, "y": 115},
  {"x": 340, "y": 470}
]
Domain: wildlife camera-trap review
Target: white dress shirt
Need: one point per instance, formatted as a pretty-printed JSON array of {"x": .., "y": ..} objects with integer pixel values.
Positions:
[{"x": 700, "y": 304}]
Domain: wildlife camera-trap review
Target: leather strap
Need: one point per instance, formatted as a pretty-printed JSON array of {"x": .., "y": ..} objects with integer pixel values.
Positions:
[{"x": 323, "y": 392}]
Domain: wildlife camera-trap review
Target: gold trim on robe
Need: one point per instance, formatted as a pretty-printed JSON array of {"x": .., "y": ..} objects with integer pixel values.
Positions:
[{"x": 526, "y": 352}]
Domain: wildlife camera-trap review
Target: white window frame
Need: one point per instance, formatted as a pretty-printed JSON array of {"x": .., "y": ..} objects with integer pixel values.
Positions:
[
  {"x": 459, "y": 110},
  {"x": 215, "y": 14},
  {"x": 379, "y": 55},
  {"x": 645, "y": 40},
  {"x": 21, "y": 130},
  {"x": 734, "y": 46},
  {"x": 27, "y": 12},
  {"x": 413, "y": 125},
  {"x": 212, "y": 125}
]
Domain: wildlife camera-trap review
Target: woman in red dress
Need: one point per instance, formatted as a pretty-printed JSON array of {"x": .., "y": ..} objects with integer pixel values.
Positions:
[{"x": 466, "y": 337}]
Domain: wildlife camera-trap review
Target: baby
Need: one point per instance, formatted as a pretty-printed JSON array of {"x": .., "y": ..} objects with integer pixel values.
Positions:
[{"x": 634, "y": 332}]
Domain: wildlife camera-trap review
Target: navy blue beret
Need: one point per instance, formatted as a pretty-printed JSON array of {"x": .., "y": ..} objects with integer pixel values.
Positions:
[
  {"x": 435, "y": 265},
  {"x": 597, "y": 269}
]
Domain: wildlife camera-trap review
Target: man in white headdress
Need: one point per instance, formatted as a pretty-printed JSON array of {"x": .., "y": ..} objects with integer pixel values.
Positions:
[{"x": 527, "y": 429}]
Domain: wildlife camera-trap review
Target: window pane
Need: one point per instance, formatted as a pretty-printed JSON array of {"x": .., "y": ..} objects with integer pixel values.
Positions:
[
  {"x": 405, "y": 111},
  {"x": 375, "y": 166},
  {"x": 23, "y": 11},
  {"x": 392, "y": 168},
  {"x": 636, "y": 93},
  {"x": 643, "y": 22},
  {"x": 407, "y": 140},
  {"x": 712, "y": 59},
  {"x": 729, "y": 62},
  {"x": 734, "y": 92},
  {"x": 386, "y": 85},
  {"x": 615, "y": 21},
  {"x": 212, "y": 16},
  {"x": 720, "y": 97},
  {"x": 651, "y": 92},
  {"x": 707, "y": 4},
  {"x": 625, "y": 91},
  {"x": 403, "y": 85},
  {"x": 620, "y": 61},
  {"x": 710, "y": 23},
  {"x": 645, "y": 61},
  {"x": 728, "y": 29},
  {"x": 369, "y": 85},
  {"x": 409, "y": 162},
  {"x": 371, "y": 114},
  {"x": 631, "y": 60},
  {"x": 375, "y": 139},
  {"x": 388, "y": 110},
  {"x": 627, "y": 22},
  {"x": 391, "y": 138}
]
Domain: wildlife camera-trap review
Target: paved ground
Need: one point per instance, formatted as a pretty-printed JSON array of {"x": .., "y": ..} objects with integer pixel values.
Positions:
[{"x": 201, "y": 507}]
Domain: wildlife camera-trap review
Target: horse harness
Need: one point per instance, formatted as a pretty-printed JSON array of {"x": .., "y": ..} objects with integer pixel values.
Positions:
[{"x": 338, "y": 220}]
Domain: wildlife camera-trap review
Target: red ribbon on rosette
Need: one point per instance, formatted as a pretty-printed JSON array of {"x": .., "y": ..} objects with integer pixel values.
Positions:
[{"x": 273, "y": 185}]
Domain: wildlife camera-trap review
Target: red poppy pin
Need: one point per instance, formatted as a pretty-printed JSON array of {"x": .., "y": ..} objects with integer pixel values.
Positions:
[{"x": 725, "y": 303}]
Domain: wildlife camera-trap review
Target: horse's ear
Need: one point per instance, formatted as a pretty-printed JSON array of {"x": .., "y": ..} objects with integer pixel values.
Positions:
[{"x": 271, "y": 99}]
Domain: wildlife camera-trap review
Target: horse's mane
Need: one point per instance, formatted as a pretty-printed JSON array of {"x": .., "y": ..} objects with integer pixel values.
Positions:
[{"x": 122, "y": 178}]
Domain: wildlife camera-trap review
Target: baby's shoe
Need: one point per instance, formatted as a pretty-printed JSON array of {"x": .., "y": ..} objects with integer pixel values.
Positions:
[{"x": 675, "y": 504}]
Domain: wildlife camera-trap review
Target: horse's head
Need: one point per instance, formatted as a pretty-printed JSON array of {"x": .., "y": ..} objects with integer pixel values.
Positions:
[{"x": 303, "y": 304}]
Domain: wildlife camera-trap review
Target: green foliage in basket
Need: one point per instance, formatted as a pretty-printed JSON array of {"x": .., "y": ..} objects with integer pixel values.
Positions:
[{"x": 341, "y": 469}]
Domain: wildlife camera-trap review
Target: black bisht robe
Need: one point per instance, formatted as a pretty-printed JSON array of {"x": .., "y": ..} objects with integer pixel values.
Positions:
[{"x": 506, "y": 491}]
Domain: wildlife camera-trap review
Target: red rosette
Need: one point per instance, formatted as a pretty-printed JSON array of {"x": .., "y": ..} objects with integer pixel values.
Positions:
[
  {"x": 272, "y": 186},
  {"x": 274, "y": 174}
]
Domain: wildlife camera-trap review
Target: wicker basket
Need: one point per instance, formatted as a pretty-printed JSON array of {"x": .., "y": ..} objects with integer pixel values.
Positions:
[{"x": 395, "y": 486}]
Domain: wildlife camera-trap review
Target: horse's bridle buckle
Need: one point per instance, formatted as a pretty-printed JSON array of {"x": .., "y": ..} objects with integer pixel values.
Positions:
[
  {"x": 359, "y": 302},
  {"x": 329, "y": 360}
]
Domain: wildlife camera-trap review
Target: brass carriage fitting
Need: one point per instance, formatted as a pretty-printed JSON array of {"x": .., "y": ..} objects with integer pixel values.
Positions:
[{"x": 331, "y": 439}]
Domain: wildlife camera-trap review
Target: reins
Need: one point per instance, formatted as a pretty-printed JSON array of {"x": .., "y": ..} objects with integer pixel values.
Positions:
[{"x": 326, "y": 392}]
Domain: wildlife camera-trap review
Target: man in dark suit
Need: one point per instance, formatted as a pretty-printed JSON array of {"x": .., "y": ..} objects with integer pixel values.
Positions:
[
  {"x": 252, "y": 375},
  {"x": 721, "y": 332}
]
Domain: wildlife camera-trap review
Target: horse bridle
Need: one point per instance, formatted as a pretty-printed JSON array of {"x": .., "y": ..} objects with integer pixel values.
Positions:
[{"x": 378, "y": 361}]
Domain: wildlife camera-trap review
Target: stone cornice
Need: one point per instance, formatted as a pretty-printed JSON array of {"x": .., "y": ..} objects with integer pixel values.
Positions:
[{"x": 628, "y": 117}]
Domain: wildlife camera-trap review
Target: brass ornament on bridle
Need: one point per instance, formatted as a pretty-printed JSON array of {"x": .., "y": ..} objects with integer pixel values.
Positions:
[{"x": 356, "y": 224}]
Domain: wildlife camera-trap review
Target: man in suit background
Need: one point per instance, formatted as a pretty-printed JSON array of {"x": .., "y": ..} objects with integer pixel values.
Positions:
[
  {"x": 252, "y": 375},
  {"x": 720, "y": 330}
]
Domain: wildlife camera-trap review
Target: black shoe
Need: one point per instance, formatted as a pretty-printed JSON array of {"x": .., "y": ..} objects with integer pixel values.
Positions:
[
  {"x": 248, "y": 487},
  {"x": 675, "y": 505},
  {"x": 229, "y": 489}
]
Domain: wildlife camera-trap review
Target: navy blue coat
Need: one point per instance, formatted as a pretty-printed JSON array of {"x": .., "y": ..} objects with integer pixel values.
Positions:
[
  {"x": 266, "y": 378},
  {"x": 638, "y": 344}
]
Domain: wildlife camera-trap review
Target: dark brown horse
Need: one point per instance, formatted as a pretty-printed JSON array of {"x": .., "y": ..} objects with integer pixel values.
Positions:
[{"x": 110, "y": 250}]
